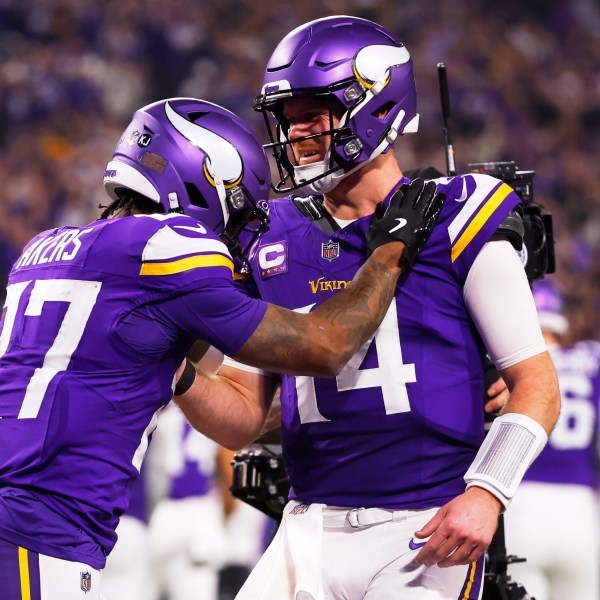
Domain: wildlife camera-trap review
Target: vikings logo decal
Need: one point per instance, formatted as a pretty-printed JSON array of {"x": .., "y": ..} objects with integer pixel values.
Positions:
[
  {"x": 223, "y": 162},
  {"x": 282, "y": 87},
  {"x": 372, "y": 67},
  {"x": 373, "y": 63}
]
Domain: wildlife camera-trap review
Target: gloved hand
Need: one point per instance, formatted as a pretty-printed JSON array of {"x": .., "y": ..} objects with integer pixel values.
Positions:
[{"x": 409, "y": 218}]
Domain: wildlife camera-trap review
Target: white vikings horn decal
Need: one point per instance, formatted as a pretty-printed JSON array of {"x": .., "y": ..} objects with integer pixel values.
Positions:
[
  {"x": 223, "y": 162},
  {"x": 372, "y": 63}
]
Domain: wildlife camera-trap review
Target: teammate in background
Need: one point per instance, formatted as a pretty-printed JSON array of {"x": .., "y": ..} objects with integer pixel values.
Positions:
[
  {"x": 392, "y": 496},
  {"x": 553, "y": 521},
  {"x": 127, "y": 573},
  {"x": 98, "y": 319},
  {"x": 186, "y": 531}
]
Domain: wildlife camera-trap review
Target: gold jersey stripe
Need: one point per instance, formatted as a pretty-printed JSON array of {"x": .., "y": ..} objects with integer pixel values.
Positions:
[
  {"x": 480, "y": 220},
  {"x": 24, "y": 574},
  {"x": 472, "y": 570},
  {"x": 187, "y": 264}
]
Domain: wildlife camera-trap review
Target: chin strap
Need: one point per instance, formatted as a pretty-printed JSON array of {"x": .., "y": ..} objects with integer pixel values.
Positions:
[
  {"x": 312, "y": 207},
  {"x": 304, "y": 173}
]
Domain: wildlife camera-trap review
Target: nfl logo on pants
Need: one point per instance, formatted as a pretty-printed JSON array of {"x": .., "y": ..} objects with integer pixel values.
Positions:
[{"x": 86, "y": 581}]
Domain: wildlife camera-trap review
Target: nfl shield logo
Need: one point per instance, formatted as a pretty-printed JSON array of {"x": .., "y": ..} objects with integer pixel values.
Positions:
[
  {"x": 86, "y": 581},
  {"x": 330, "y": 250}
]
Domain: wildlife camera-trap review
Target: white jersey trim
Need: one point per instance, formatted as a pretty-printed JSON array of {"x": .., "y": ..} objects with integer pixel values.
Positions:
[
  {"x": 484, "y": 187},
  {"x": 167, "y": 244}
]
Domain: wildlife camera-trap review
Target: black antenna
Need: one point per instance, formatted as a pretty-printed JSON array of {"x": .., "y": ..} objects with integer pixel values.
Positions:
[{"x": 445, "y": 97}]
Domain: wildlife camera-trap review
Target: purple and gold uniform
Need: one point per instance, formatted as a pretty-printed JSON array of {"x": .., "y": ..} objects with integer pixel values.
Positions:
[
  {"x": 97, "y": 319},
  {"x": 402, "y": 422}
]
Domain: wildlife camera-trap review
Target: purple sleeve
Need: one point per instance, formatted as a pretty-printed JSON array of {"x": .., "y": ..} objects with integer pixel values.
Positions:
[
  {"x": 216, "y": 312},
  {"x": 220, "y": 314}
]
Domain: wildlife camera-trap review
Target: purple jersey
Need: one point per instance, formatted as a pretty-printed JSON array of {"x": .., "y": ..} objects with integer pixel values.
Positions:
[
  {"x": 572, "y": 451},
  {"x": 402, "y": 422},
  {"x": 96, "y": 321}
]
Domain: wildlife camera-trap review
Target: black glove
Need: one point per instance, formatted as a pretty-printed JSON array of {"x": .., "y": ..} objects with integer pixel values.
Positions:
[{"x": 409, "y": 218}]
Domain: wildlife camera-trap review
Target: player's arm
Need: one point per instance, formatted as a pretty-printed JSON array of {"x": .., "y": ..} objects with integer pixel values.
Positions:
[
  {"x": 500, "y": 302},
  {"x": 517, "y": 348},
  {"x": 321, "y": 342},
  {"x": 230, "y": 407}
]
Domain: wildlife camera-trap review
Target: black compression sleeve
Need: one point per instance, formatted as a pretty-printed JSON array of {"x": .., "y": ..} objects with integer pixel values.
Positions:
[{"x": 187, "y": 378}]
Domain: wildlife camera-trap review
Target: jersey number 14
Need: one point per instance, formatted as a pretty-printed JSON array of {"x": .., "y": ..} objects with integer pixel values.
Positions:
[{"x": 391, "y": 376}]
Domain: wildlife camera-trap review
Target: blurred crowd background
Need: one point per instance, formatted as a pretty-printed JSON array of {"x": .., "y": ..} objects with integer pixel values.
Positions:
[{"x": 524, "y": 81}]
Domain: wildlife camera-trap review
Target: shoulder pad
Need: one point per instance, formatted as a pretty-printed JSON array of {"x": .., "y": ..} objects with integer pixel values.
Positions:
[
  {"x": 310, "y": 206},
  {"x": 512, "y": 227}
]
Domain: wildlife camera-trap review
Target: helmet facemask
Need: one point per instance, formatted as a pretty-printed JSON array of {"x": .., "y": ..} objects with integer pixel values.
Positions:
[
  {"x": 352, "y": 63},
  {"x": 248, "y": 221},
  {"x": 320, "y": 176}
]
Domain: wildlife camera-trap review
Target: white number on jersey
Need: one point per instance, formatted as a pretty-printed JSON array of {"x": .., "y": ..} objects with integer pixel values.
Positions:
[
  {"x": 575, "y": 426},
  {"x": 391, "y": 375},
  {"x": 81, "y": 297}
]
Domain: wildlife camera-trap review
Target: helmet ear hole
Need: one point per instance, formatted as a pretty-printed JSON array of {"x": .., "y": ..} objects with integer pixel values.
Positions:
[
  {"x": 195, "y": 196},
  {"x": 383, "y": 111}
]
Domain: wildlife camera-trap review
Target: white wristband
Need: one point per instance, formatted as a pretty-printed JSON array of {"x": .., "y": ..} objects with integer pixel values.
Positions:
[{"x": 513, "y": 442}]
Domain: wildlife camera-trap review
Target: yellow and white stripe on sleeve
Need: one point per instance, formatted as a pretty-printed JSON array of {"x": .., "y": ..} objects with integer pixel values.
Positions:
[
  {"x": 167, "y": 252},
  {"x": 478, "y": 208}
]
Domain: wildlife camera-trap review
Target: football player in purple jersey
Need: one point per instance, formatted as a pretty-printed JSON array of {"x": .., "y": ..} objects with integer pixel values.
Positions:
[
  {"x": 98, "y": 318},
  {"x": 392, "y": 494},
  {"x": 553, "y": 522}
]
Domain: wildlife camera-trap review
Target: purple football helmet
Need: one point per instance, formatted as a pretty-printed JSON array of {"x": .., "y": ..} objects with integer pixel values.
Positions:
[
  {"x": 550, "y": 305},
  {"x": 197, "y": 158},
  {"x": 360, "y": 69}
]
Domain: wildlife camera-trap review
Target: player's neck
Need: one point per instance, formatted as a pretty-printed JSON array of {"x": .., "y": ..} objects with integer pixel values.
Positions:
[{"x": 357, "y": 195}]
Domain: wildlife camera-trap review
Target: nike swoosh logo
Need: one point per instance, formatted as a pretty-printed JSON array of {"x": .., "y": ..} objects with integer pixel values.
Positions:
[
  {"x": 196, "y": 228},
  {"x": 463, "y": 195},
  {"x": 414, "y": 546},
  {"x": 401, "y": 223}
]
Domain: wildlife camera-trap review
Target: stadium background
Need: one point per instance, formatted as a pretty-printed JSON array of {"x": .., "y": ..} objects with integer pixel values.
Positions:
[{"x": 524, "y": 81}]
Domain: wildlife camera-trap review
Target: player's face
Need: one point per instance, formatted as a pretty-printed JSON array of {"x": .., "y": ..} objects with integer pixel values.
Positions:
[{"x": 308, "y": 116}]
